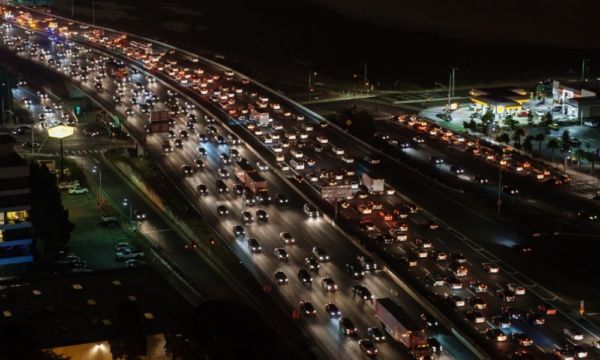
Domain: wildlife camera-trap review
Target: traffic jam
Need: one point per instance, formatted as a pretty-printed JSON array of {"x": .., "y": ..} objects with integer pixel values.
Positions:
[{"x": 218, "y": 166}]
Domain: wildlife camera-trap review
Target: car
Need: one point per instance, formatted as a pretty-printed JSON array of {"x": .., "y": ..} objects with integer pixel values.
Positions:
[
  {"x": 355, "y": 270},
  {"x": 368, "y": 347},
  {"x": 478, "y": 286},
  {"x": 280, "y": 278},
  {"x": 263, "y": 197},
  {"x": 254, "y": 245},
  {"x": 304, "y": 277},
  {"x": 547, "y": 310},
  {"x": 496, "y": 335},
  {"x": 376, "y": 334},
  {"x": 187, "y": 170},
  {"x": 281, "y": 254},
  {"x": 516, "y": 289},
  {"x": 139, "y": 215},
  {"x": 287, "y": 238},
  {"x": 347, "y": 327},
  {"x": 367, "y": 225},
  {"x": 238, "y": 231},
  {"x": 362, "y": 292},
  {"x": 501, "y": 321},
  {"x": 202, "y": 189},
  {"x": 573, "y": 334},
  {"x": 522, "y": 339},
  {"x": 78, "y": 190},
  {"x": 320, "y": 254},
  {"x": 311, "y": 211},
  {"x": 312, "y": 264},
  {"x": 457, "y": 169},
  {"x": 262, "y": 215},
  {"x": 476, "y": 317},
  {"x": 480, "y": 180},
  {"x": 478, "y": 303},
  {"x": 246, "y": 217},
  {"x": 221, "y": 187},
  {"x": 436, "y": 160},
  {"x": 418, "y": 140},
  {"x": 535, "y": 318},
  {"x": 579, "y": 351},
  {"x": 178, "y": 143},
  {"x": 132, "y": 263},
  {"x": 367, "y": 263},
  {"x": 199, "y": 164},
  {"x": 509, "y": 190},
  {"x": 328, "y": 284},
  {"x": 506, "y": 295},
  {"x": 563, "y": 354},
  {"x": 332, "y": 310},
  {"x": 223, "y": 173},
  {"x": 491, "y": 268},
  {"x": 281, "y": 199},
  {"x": 307, "y": 309},
  {"x": 429, "y": 321},
  {"x": 222, "y": 210}
]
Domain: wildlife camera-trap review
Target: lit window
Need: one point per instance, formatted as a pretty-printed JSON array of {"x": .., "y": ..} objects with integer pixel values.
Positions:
[{"x": 13, "y": 217}]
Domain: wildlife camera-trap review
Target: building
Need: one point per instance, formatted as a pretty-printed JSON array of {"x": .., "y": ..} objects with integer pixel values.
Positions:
[
  {"x": 578, "y": 100},
  {"x": 500, "y": 100},
  {"x": 78, "y": 315},
  {"x": 16, "y": 241}
]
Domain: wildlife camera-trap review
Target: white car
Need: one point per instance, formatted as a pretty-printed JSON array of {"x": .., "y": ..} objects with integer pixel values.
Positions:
[
  {"x": 297, "y": 153},
  {"x": 322, "y": 139},
  {"x": 516, "y": 289},
  {"x": 78, "y": 190},
  {"x": 573, "y": 334},
  {"x": 348, "y": 159},
  {"x": 68, "y": 185}
]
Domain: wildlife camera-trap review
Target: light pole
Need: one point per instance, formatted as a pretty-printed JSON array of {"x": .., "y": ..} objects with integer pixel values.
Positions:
[
  {"x": 310, "y": 89},
  {"x": 126, "y": 204},
  {"x": 96, "y": 169},
  {"x": 499, "y": 189},
  {"x": 60, "y": 132},
  {"x": 94, "y": 12}
]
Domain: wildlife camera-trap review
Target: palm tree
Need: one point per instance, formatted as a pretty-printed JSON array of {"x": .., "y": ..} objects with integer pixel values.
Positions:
[
  {"x": 503, "y": 138},
  {"x": 540, "y": 138},
  {"x": 579, "y": 154},
  {"x": 527, "y": 143},
  {"x": 552, "y": 145},
  {"x": 518, "y": 134},
  {"x": 510, "y": 122},
  {"x": 591, "y": 156}
]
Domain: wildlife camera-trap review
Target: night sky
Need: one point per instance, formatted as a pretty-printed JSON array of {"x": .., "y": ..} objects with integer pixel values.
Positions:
[{"x": 571, "y": 24}]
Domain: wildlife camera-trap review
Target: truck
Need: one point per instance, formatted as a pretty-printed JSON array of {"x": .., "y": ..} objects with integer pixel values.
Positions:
[
  {"x": 159, "y": 121},
  {"x": 374, "y": 184},
  {"x": 248, "y": 176},
  {"x": 402, "y": 328}
]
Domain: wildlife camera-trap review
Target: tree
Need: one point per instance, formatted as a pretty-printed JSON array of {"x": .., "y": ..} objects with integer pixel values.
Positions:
[
  {"x": 592, "y": 157},
  {"x": 527, "y": 143},
  {"x": 552, "y": 145},
  {"x": 547, "y": 119},
  {"x": 565, "y": 141},
  {"x": 503, "y": 138},
  {"x": 517, "y": 135},
  {"x": 510, "y": 122},
  {"x": 51, "y": 225},
  {"x": 487, "y": 119},
  {"x": 579, "y": 155},
  {"x": 540, "y": 139}
]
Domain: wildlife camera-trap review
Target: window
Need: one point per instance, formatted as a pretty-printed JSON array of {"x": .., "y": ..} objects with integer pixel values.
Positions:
[{"x": 14, "y": 217}]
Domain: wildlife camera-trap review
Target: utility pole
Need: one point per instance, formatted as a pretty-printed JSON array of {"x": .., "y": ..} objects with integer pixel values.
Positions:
[
  {"x": 310, "y": 75},
  {"x": 72, "y": 8},
  {"x": 583, "y": 68},
  {"x": 499, "y": 189},
  {"x": 94, "y": 12}
]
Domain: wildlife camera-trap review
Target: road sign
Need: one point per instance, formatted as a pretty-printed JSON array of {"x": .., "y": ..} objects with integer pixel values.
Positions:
[{"x": 337, "y": 192}]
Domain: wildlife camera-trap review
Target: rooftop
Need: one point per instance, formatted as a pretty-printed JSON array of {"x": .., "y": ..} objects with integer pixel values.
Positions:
[{"x": 86, "y": 307}]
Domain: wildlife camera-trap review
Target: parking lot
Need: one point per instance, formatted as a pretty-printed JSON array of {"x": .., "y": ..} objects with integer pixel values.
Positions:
[{"x": 94, "y": 243}]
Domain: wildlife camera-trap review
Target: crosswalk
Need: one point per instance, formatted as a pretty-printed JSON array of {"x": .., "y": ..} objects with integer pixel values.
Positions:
[{"x": 80, "y": 152}]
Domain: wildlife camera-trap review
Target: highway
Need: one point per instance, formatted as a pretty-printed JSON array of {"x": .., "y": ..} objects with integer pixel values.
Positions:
[
  {"x": 309, "y": 231},
  {"x": 307, "y": 235}
]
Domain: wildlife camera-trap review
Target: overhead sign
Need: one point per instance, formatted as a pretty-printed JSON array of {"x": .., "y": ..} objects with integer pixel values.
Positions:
[{"x": 337, "y": 192}]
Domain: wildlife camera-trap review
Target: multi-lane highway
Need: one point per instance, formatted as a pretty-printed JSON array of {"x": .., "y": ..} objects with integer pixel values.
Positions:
[{"x": 314, "y": 152}]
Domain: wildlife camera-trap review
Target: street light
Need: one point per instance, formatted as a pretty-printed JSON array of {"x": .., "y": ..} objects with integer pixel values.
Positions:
[
  {"x": 60, "y": 132},
  {"x": 126, "y": 204},
  {"x": 96, "y": 169},
  {"x": 310, "y": 89}
]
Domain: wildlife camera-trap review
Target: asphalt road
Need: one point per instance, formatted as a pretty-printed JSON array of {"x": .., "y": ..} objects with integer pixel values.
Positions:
[{"x": 327, "y": 161}]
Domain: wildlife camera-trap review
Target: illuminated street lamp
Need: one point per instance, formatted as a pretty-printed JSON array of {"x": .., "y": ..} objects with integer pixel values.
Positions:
[{"x": 60, "y": 132}]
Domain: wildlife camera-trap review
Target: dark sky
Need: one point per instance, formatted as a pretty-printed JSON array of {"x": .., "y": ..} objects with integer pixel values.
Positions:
[{"x": 567, "y": 23}]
